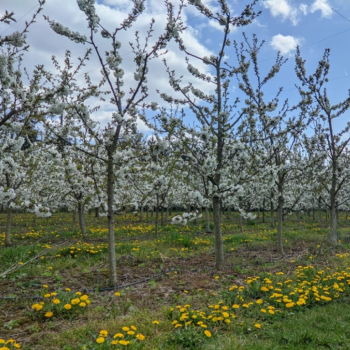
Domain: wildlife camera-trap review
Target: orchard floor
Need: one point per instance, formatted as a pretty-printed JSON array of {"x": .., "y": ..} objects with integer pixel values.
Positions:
[{"x": 258, "y": 300}]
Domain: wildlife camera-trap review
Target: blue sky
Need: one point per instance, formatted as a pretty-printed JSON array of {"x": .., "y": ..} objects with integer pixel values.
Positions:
[{"x": 313, "y": 24}]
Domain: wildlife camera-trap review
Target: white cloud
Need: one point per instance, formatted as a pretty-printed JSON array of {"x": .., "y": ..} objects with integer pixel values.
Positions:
[
  {"x": 215, "y": 24},
  {"x": 282, "y": 8},
  {"x": 259, "y": 24},
  {"x": 303, "y": 8},
  {"x": 284, "y": 44},
  {"x": 278, "y": 8},
  {"x": 323, "y": 6}
]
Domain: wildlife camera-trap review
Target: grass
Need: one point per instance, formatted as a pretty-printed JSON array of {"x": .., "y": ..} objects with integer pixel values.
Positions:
[{"x": 172, "y": 281}]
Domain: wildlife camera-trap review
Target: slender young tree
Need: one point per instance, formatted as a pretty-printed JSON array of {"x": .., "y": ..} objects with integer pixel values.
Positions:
[
  {"x": 215, "y": 113},
  {"x": 331, "y": 144},
  {"x": 279, "y": 133},
  {"x": 126, "y": 106}
]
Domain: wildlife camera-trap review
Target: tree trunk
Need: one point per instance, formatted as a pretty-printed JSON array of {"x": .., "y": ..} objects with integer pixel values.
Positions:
[
  {"x": 333, "y": 217},
  {"x": 97, "y": 212},
  {"x": 207, "y": 220},
  {"x": 319, "y": 210},
  {"x": 219, "y": 250},
  {"x": 279, "y": 224},
  {"x": 81, "y": 219},
  {"x": 141, "y": 213},
  {"x": 272, "y": 219},
  {"x": 240, "y": 215},
  {"x": 196, "y": 218},
  {"x": 8, "y": 242},
  {"x": 240, "y": 223},
  {"x": 263, "y": 212},
  {"x": 228, "y": 212},
  {"x": 157, "y": 216},
  {"x": 111, "y": 236},
  {"x": 74, "y": 216},
  {"x": 162, "y": 217}
]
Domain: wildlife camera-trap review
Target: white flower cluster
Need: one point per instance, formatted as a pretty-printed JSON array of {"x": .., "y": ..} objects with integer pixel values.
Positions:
[
  {"x": 16, "y": 39},
  {"x": 198, "y": 93},
  {"x": 117, "y": 117},
  {"x": 185, "y": 218},
  {"x": 222, "y": 20},
  {"x": 172, "y": 29},
  {"x": 195, "y": 72},
  {"x": 57, "y": 108},
  {"x": 210, "y": 60},
  {"x": 6, "y": 79},
  {"x": 113, "y": 60},
  {"x": 10, "y": 143},
  {"x": 159, "y": 147},
  {"x": 6, "y": 194},
  {"x": 88, "y": 7},
  {"x": 65, "y": 31},
  {"x": 119, "y": 73},
  {"x": 166, "y": 97}
]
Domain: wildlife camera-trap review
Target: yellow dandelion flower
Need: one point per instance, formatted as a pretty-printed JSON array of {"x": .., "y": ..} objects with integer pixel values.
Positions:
[
  {"x": 140, "y": 337},
  {"x": 118, "y": 335},
  {"x": 37, "y": 307},
  {"x": 124, "y": 342},
  {"x": 100, "y": 340},
  {"x": 207, "y": 333}
]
